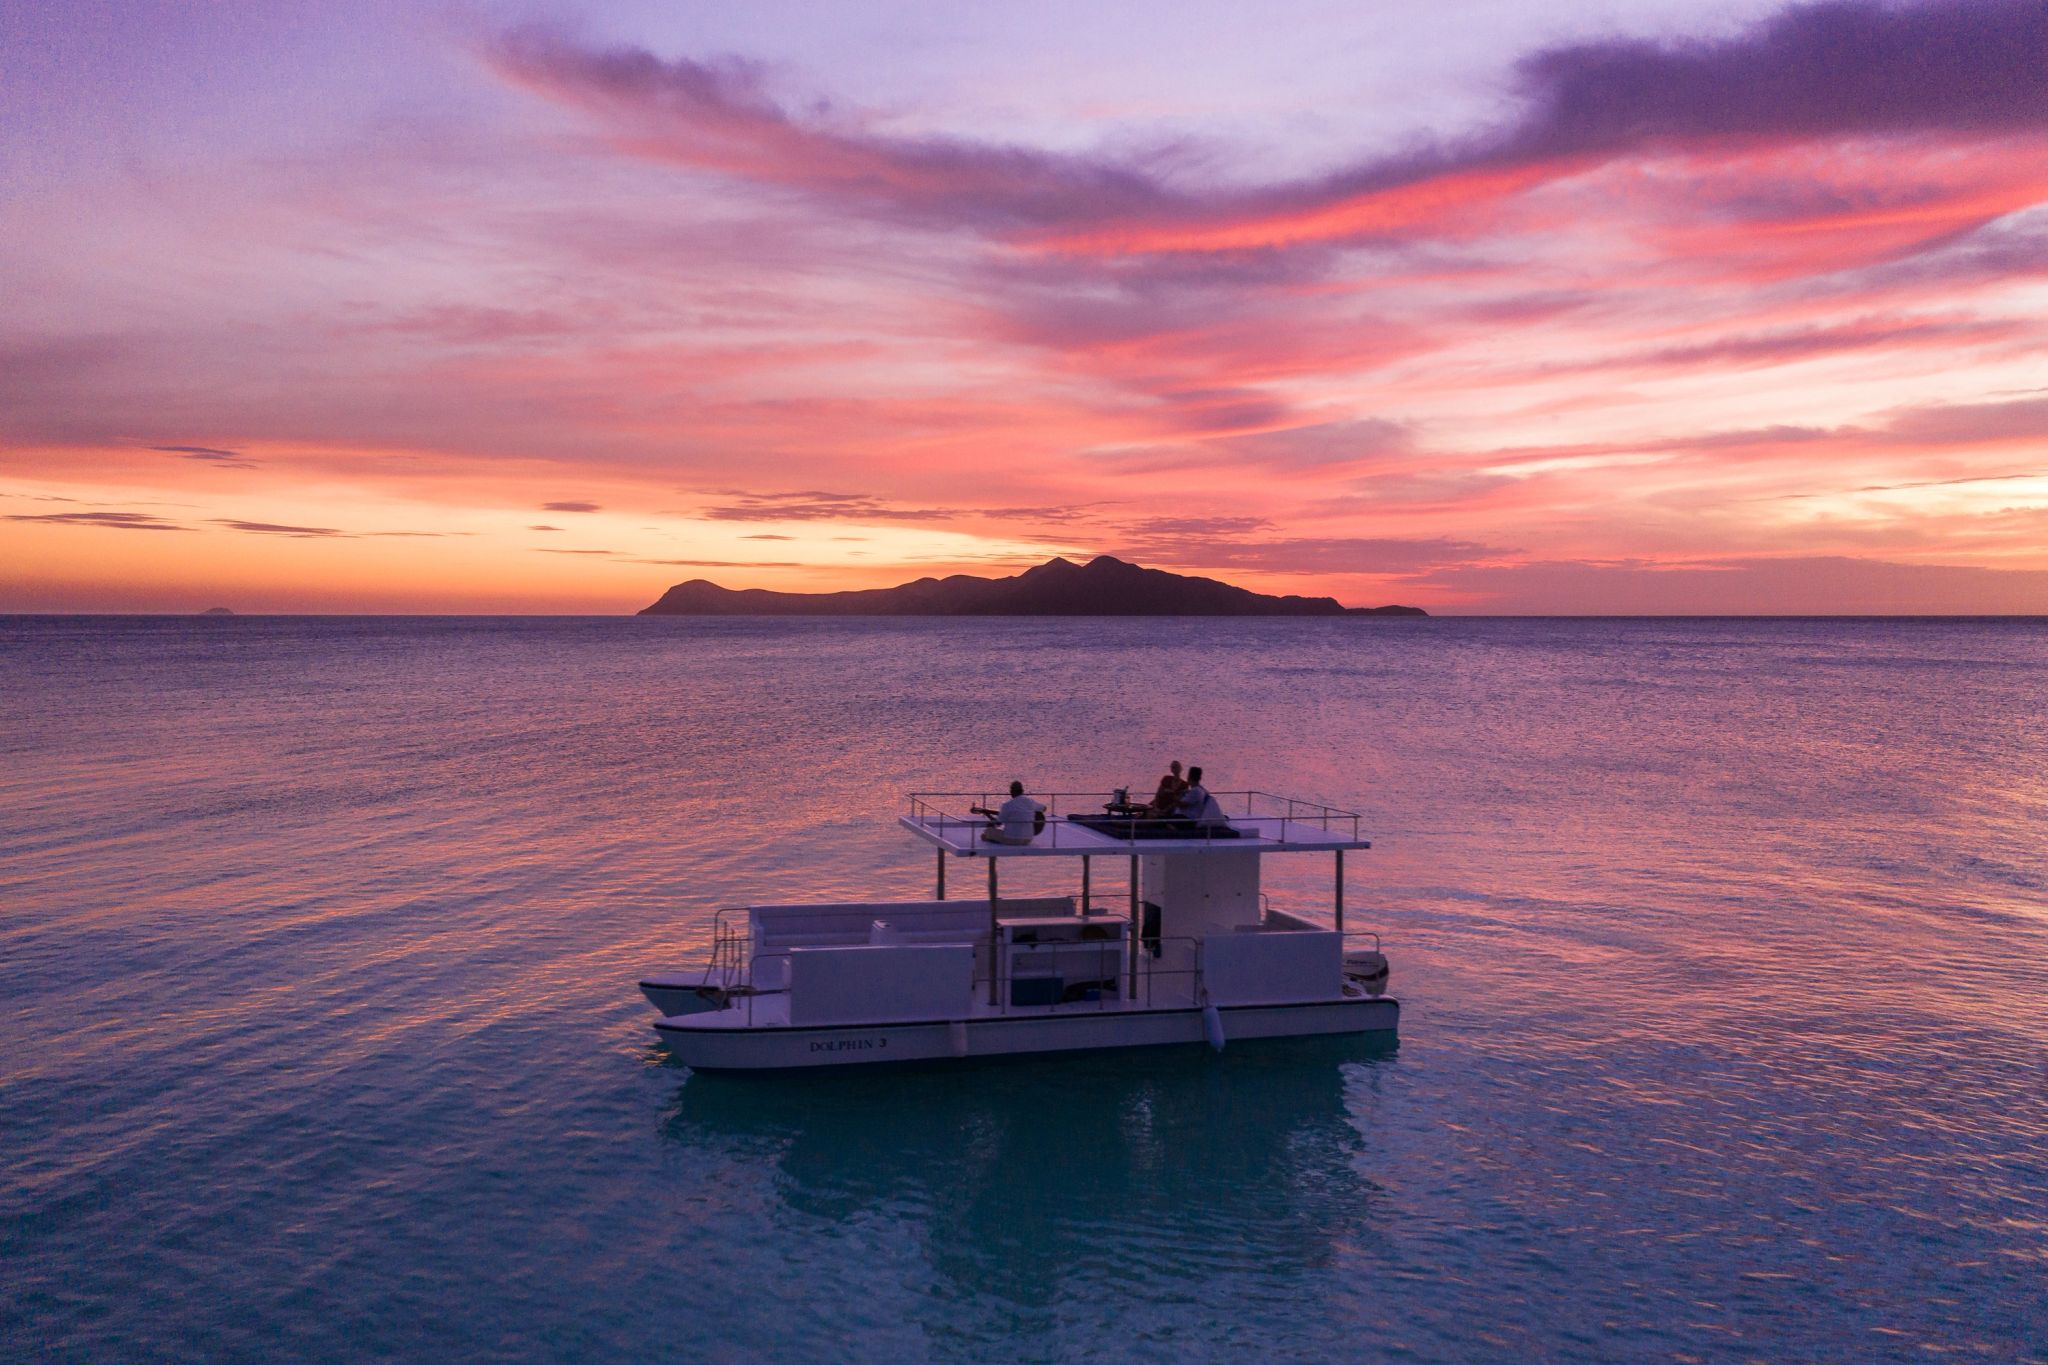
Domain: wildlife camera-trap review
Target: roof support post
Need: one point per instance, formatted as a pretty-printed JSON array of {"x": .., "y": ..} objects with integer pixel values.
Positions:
[
  {"x": 1132, "y": 938},
  {"x": 1084, "y": 884},
  {"x": 1340, "y": 890},
  {"x": 995, "y": 939},
  {"x": 942, "y": 874}
]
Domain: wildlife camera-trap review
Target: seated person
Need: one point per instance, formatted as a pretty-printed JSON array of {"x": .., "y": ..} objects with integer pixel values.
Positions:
[
  {"x": 1019, "y": 821},
  {"x": 1171, "y": 788},
  {"x": 1197, "y": 805}
]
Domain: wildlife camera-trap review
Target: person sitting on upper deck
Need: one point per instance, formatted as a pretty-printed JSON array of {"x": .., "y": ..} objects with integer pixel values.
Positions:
[
  {"x": 1019, "y": 821},
  {"x": 1197, "y": 805},
  {"x": 1171, "y": 787}
]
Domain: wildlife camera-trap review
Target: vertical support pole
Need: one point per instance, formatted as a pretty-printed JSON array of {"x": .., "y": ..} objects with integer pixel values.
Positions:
[
  {"x": 1340, "y": 890},
  {"x": 1135, "y": 931},
  {"x": 1084, "y": 884},
  {"x": 942, "y": 874},
  {"x": 995, "y": 939}
]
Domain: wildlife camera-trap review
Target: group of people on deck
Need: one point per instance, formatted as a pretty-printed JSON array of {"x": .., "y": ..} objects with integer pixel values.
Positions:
[
  {"x": 1184, "y": 797},
  {"x": 1021, "y": 819}
]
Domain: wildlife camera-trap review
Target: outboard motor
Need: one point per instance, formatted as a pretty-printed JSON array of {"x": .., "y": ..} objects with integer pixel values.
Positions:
[{"x": 1368, "y": 967}]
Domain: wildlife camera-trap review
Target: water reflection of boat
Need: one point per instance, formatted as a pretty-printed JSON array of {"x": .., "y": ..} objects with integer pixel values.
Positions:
[
  {"x": 1018, "y": 1180},
  {"x": 1198, "y": 952}
]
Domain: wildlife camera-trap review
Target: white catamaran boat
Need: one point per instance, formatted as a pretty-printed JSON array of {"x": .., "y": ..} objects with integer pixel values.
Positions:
[{"x": 1195, "y": 952}]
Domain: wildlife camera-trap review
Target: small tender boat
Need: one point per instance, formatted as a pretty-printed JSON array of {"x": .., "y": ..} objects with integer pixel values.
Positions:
[{"x": 1194, "y": 953}]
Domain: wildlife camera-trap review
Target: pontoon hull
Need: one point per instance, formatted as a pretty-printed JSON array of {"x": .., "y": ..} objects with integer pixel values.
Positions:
[{"x": 778, "y": 1048}]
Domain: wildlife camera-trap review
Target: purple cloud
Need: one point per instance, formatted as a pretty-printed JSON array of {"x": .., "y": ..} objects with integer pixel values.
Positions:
[
  {"x": 1849, "y": 67},
  {"x": 225, "y": 459},
  {"x": 1239, "y": 542},
  {"x": 820, "y": 506},
  {"x": 1787, "y": 345},
  {"x": 718, "y": 114},
  {"x": 1416, "y": 487},
  {"x": 117, "y": 521},
  {"x": 1186, "y": 529},
  {"x": 569, "y": 507},
  {"x": 1355, "y": 554},
  {"x": 1056, "y": 515},
  {"x": 1852, "y": 67},
  {"x": 1322, "y": 443},
  {"x": 1971, "y": 423},
  {"x": 270, "y": 528},
  {"x": 2015, "y": 246},
  {"x": 621, "y": 557}
]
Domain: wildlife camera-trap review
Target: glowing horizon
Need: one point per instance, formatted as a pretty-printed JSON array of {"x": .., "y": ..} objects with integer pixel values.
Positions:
[{"x": 1739, "y": 310}]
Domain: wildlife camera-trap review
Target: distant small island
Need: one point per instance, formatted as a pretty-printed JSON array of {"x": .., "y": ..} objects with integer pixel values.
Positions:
[
  {"x": 1104, "y": 586},
  {"x": 218, "y": 611}
]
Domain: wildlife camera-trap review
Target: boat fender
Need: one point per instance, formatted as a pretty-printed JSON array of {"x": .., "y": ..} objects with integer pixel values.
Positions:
[
  {"x": 956, "y": 1037},
  {"x": 1368, "y": 969},
  {"x": 1212, "y": 1026}
]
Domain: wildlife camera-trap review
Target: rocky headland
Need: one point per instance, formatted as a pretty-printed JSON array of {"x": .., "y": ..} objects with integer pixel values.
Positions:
[{"x": 1104, "y": 586}]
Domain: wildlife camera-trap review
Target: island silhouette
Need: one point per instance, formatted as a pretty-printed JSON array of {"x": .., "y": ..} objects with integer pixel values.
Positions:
[{"x": 1104, "y": 586}]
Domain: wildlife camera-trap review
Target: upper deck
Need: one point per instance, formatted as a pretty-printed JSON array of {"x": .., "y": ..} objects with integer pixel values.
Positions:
[{"x": 1263, "y": 822}]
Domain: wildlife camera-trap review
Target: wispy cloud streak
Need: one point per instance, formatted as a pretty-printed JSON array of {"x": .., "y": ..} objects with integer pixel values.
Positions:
[{"x": 115, "y": 521}]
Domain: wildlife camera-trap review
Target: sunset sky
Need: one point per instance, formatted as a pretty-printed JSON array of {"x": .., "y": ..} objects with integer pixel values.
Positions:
[{"x": 1486, "y": 307}]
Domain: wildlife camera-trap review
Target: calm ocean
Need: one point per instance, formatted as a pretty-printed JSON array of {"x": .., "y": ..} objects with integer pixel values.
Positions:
[{"x": 1722, "y": 945}]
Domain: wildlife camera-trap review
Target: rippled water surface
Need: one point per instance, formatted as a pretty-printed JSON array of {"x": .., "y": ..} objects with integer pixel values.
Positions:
[{"x": 1722, "y": 947}]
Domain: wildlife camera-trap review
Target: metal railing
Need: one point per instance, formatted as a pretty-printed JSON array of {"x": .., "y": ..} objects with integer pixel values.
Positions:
[
  {"x": 942, "y": 811},
  {"x": 730, "y": 964}
]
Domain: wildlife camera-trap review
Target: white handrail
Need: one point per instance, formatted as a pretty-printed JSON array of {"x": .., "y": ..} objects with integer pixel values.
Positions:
[{"x": 940, "y": 811}]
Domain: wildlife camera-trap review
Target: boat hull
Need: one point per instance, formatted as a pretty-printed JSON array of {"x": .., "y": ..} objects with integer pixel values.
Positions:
[
  {"x": 778, "y": 1048},
  {"x": 682, "y": 995}
]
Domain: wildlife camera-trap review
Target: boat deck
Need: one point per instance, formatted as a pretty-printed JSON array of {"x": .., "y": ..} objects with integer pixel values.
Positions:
[{"x": 1259, "y": 822}]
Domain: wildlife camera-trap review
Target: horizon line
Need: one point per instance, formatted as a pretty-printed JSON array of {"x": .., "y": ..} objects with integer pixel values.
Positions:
[{"x": 206, "y": 615}]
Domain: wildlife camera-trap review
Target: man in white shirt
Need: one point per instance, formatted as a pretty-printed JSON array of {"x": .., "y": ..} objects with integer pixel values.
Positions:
[
  {"x": 1197, "y": 805},
  {"x": 1018, "y": 822}
]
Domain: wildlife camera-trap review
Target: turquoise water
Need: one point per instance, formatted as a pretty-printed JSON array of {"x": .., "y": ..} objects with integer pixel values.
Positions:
[{"x": 1722, "y": 949}]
